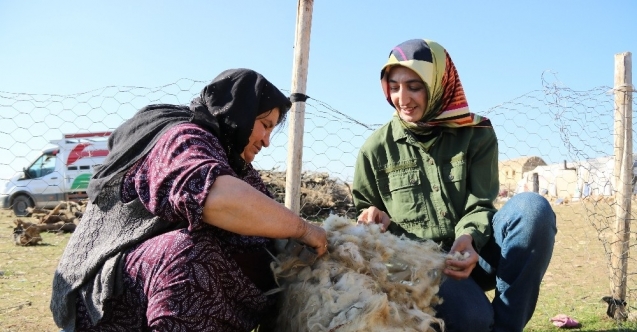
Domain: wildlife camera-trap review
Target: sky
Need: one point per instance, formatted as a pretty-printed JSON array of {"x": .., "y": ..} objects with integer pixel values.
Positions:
[{"x": 501, "y": 48}]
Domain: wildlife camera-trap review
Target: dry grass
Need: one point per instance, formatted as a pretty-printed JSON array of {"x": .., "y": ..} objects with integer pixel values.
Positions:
[
  {"x": 26, "y": 274},
  {"x": 576, "y": 281},
  {"x": 578, "y": 276}
]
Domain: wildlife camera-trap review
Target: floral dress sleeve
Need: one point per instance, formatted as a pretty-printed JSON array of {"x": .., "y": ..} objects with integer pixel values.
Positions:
[{"x": 174, "y": 179}]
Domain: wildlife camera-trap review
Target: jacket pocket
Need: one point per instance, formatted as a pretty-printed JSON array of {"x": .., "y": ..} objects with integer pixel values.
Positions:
[
  {"x": 455, "y": 171},
  {"x": 403, "y": 196}
]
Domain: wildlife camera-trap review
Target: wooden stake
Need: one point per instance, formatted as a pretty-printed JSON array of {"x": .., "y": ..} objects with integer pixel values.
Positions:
[
  {"x": 623, "y": 172},
  {"x": 297, "y": 113}
]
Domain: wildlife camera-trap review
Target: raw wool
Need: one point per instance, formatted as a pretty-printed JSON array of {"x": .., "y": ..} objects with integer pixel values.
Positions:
[
  {"x": 457, "y": 256},
  {"x": 369, "y": 281}
]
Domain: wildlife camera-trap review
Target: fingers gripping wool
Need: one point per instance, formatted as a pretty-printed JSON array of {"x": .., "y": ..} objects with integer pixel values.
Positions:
[{"x": 369, "y": 281}]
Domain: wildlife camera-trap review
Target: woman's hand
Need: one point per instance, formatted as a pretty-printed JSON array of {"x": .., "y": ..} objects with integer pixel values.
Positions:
[
  {"x": 313, "y": 236},
  {"x": 373, "y": 215},
  {"x": 231, "y": 199},
  {"x": 461, "y": 269}
]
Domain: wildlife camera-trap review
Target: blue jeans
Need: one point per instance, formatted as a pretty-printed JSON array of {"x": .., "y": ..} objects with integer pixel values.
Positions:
[{"x": 513, "y": 263}]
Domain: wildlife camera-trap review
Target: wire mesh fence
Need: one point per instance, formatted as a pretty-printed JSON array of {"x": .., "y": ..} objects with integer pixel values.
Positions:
[
  {"x": 555, "y": 141},
  {"x": 565, "y": 138}
]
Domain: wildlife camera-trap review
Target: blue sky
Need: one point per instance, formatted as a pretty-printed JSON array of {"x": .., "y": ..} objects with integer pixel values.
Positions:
[{"x": 501, "y": 48}]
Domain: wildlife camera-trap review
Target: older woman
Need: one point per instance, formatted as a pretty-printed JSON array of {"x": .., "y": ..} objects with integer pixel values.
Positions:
[
  {"x": 432, "y": 173},
  {"x": 176, "y": 233}
]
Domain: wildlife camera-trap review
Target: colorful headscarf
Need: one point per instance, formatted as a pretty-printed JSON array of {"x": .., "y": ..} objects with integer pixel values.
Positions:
[{"x": 446, "y": 105}]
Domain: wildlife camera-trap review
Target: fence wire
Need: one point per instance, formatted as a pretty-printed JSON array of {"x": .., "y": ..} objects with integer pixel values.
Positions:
[{"x": 555, "y": 140}]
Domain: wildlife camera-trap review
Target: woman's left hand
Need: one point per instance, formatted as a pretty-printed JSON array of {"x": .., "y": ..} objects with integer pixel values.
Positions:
[
  {"x": 374, "y": 215},
  {"x": 461, "y": 269},
  {"x": 315, "y": 237}
]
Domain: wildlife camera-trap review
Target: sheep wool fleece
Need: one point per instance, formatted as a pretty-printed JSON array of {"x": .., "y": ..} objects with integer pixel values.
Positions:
[{"x": 369, "y": 281}]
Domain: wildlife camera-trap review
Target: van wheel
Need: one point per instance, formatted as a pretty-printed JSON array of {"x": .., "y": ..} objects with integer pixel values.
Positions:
[{"x": 20, "y": 205}]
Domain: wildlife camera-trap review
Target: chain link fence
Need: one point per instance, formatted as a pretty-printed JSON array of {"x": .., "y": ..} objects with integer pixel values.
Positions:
[{"x": 555, "y": 141}]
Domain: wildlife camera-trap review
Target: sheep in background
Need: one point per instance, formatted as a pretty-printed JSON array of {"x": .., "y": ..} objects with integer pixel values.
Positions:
[{"x": 369, "y": 281}]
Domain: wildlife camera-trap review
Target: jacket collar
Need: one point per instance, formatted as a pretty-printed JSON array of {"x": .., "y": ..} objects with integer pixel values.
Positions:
[{"x": 399, "y": 133}]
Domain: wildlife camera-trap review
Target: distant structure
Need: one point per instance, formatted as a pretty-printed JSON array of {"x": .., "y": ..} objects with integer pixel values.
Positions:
[
  {"x": 511, "y": 172},
  {"x": 565, "y": 182}
]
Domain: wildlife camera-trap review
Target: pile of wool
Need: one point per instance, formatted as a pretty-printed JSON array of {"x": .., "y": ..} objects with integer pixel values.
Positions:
[{"x": 369, "y": 281}]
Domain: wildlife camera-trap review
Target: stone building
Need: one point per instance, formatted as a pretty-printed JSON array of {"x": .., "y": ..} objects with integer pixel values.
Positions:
[{"x": 511, "y": 172}]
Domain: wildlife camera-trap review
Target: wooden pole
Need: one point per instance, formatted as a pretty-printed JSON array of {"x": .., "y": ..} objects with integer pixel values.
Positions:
[
  {"x": 623, "y": 147},
  {"x": 297, "y": 113}
]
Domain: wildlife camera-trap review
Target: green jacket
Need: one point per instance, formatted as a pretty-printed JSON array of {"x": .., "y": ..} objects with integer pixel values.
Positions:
[{"x": 438, "y": 195}]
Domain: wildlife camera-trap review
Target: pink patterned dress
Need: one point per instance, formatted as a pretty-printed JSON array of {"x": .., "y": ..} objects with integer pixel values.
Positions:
[{"x": 199, "y": 278}]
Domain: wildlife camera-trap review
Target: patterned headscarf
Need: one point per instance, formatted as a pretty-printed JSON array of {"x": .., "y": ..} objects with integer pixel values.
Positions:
[{"x": 447, "y": 105}]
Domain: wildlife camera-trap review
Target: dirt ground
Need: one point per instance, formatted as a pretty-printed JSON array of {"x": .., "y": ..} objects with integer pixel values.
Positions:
[
  {"x": 577, "y": 279},
  {"x": 578, "y": 276},
  {"x": 25, "y": 279}
]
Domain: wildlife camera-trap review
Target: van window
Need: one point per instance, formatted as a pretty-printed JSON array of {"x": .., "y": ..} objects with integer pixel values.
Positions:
[
  {"x": 72, "y": 168},
  {"x": 85, "y": 167},
  {"x": 44, "y": 165}
]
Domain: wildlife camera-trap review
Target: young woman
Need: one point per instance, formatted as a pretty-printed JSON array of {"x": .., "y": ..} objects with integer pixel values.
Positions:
[
  {"x": 432, "y": 173},
  {"x": 176, "y": 231}
]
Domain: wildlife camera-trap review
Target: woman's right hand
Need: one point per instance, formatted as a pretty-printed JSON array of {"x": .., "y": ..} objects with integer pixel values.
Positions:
[
  {"x": 315, "y": 237},
  {"x": 373, "y": 215},
  {"x": 461, "y": 269}
]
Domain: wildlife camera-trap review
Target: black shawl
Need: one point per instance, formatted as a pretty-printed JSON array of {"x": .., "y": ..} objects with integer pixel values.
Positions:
[{"x": 227, "y": 107}]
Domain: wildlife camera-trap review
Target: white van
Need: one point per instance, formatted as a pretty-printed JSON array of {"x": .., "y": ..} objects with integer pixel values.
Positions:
[{"x": 60, "y": 173}]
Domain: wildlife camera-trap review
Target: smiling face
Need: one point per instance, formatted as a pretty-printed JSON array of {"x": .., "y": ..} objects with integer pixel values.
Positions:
[
  {"x": 260, "y": 136},
  {"x": 408, "y": 93}
]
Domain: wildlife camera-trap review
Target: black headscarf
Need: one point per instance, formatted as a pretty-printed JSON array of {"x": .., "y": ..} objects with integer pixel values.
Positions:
[{"x": 227, "y": 107}]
